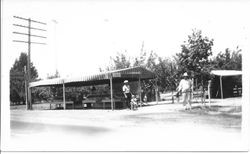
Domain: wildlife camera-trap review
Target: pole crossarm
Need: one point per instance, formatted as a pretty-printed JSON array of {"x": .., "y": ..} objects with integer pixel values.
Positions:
[
  {"x": 28, "y": 42},
  {"x": 30, "y": 34},
  {"x": 29, "y": 27},
  {"x": 30, "y": 20}
]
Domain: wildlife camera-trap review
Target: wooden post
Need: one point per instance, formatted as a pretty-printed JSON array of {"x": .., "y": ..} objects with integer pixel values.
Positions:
[
  {"x": 196, "y": 83},
  {"x": 221, "y": 89},
  {"x": 192, "y": 89},
  {"x": 111, "y": 91},
  {"x": 64, "y": 101},
  {"x": 208, "y": 91},
  {"x": 26, "y": 97},
  {"x": 26, "y": 87},
  {"x": 156, "y": 92},
  {"x": 172, "y": 95},
  {"x": 139, "y": 84}
]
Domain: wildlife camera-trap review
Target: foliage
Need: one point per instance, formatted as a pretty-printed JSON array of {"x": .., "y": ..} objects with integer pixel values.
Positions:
[
  {"x": 46, "y": 93},
  {"x": 194, "y": 56},
  {"x": 17, "y": 78},
  {"x": 228, "y": 60},
  {"x": 164, "y": 68},
  {"x": 119, "y": 62},
  {"x": 41, "y": 93},
  {"x": 140, "y": 60},
  {"x": 166, "y": 72}
]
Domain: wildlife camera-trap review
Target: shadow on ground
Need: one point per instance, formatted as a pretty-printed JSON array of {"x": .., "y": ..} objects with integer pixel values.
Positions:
[{"x": 18, "y": 127}]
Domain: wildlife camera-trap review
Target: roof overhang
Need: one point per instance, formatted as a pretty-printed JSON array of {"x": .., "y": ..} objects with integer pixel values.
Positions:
[
  {"x": 226, "y": 72},
  {"x": 131, "y": 74}
]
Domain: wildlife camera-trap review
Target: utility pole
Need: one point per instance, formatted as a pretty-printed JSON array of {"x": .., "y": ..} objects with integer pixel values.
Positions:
[
  {"x": 26, "y": 87},
  {"x": 29, "y": 42}
]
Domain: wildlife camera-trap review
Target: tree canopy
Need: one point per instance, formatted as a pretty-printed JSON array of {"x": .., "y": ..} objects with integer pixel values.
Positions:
[
  {"x": 194, "y": 56},
  {"x": 17, "y": 78},
  {"x": 228, "y": 60}
]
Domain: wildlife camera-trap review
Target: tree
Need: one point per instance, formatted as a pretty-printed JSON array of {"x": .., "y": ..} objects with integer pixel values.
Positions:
[
  {"x": 17, "y": 78},
  {"x": 228, "y": 60},
  {"x": 194, "y": 56},
  {"x": 140, "y": 61},
  {"x": 119, "y": 62},
  {"x": 166, "y": 71}
]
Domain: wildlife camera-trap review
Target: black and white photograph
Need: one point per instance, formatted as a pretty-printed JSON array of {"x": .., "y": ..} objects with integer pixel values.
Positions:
[{"x": 125, "y": 76}]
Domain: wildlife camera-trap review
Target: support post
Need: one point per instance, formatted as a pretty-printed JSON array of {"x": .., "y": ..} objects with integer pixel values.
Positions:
[
  {"x": 156, "y": 92},
  {"x": 26, "y": 87},
  {"x": 64, "y": 101},
  {"x": 139, "y": 84},
  {"x": 172, "y": 96},
  {"x": 221, "y": 89},
  {"x": 111, "y": 91},
  {"x": 209, "y": 93},
  {"x": 192, "y": 89}
]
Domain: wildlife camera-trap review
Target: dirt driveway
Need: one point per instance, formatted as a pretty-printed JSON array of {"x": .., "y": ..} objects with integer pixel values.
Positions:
[{"x": 162, "y": 127}]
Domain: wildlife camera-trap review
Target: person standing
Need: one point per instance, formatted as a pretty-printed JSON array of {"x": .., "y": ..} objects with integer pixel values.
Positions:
[
  {"x": 127, "y": 93},
  {"x": 185, "y": 87}
]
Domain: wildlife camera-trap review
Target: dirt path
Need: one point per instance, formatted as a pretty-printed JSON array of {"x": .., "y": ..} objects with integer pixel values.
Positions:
[{"x": 152, "y": 128}]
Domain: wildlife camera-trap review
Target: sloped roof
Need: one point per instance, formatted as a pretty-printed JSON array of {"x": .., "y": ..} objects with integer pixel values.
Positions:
[
  {"x": 132, "y": 74},
  {"x": 226, "y": 72}
]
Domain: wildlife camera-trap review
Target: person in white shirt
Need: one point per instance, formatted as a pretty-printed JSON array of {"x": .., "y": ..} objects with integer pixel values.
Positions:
[
  {"x": 185, "y": 87},
  {"x": 127, "y": 93}
]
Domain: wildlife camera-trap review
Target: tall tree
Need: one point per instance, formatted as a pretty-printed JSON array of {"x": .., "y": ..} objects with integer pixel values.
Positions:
[
  {"x": 194, "y": 56},
  {"x": 17, "y": 78}
]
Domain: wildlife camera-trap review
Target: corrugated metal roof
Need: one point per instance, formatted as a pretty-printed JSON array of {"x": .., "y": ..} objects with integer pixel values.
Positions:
[
  {"x": 100, "y": 78},
  {"x": 49, "y": 82},
  {"x": 226, "y": 72}
]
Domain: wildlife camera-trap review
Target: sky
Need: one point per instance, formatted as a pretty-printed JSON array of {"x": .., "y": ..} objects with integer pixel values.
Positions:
[{"x": 87, "y": 33}]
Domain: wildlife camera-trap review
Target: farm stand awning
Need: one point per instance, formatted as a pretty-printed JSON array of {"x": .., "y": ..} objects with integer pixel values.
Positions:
[
  {"x": 131, "y": 74},
  {"x": 226, "y": 72}
]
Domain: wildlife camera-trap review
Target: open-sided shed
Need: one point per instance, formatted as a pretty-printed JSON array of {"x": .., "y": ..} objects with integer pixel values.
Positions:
[
  {"x": 224, "y": 73},
  {"x": 110, "y": 77}
]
